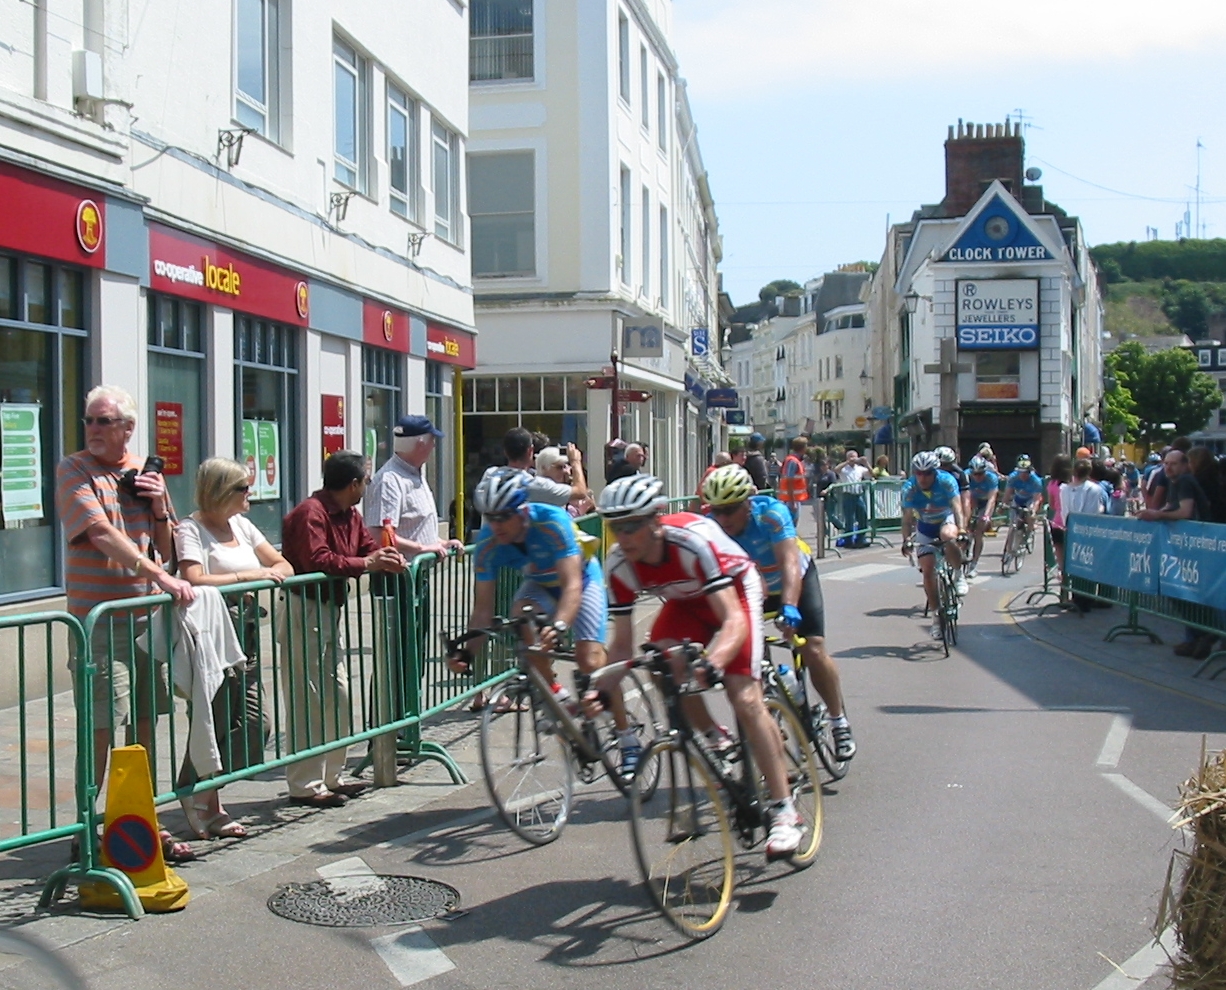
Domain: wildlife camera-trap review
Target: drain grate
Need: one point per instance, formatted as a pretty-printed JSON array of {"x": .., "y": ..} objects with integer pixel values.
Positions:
[{"x": 364, "y": 900}]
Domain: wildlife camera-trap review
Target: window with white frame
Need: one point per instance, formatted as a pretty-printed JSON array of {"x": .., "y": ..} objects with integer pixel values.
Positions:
[
  {"x": 403, "y": 156},
  {"x": 625, "y": 229},
  {"x": 1205, "y": 358},
  {"x": 350, "y": 79},
  {"x": 257, "y": 76},
  {"x": 501, "y": 208},
  {"x": 646, "y": 242},
  {"x": 662, "y": 111},
  {"x": 500, "y": 40},
  {"x": 664, "y": 256},
  {"x": 838, "y": 366},
  {"x": 623, "y": 56},
  {"x": 645, "y": 109},
  {"x": 446, "y": 180}
]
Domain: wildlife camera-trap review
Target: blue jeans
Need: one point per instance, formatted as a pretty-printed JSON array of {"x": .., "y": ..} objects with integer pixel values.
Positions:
[{"x": 855, "y": 518}]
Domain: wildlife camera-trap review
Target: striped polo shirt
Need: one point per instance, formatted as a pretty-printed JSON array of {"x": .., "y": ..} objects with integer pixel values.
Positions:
[
  {"x": 86, "y": 492},
  {"x": 399, "y": 492}
]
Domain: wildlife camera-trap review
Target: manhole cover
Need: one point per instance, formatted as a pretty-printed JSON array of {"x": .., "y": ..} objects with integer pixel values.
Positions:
[{"x": 364, "y": 900}]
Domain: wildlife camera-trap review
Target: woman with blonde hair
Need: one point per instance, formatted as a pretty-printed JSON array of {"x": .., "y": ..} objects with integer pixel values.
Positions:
[{"x": 218, "y": 545}]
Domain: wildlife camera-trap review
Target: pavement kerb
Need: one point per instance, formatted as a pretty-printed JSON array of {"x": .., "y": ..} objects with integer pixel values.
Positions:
[{"x": 1124, "y": 658}]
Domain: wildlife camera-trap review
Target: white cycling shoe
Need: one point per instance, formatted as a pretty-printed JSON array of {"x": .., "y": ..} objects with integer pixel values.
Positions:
[
  {"x": 960, "y": 585},
  {"x": 785, "y": 833}
]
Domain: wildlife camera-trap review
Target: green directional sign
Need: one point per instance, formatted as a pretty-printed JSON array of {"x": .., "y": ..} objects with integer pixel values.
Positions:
[{"x": 21, "y": 473}]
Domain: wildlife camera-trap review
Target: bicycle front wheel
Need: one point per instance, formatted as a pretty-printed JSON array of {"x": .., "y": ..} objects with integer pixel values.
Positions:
[
  {"x": 803, "y": 779},
  {"x": 526, "y": 763},
  {"x": 643, "y": 719},
  {"x": 683, "y": 842}
]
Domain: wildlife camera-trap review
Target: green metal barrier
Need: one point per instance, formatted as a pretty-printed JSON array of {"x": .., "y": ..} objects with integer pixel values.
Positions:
[{"x": 1051, "y": 569}]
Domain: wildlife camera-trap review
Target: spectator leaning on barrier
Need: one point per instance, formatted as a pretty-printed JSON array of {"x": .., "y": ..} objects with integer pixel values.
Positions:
[
  {"x": 1155, "y": 491},
  {"x": 118, "y": 522},
  {"x": 218, "y": 545},
  {"x": 852, "y": 474},
  {"x": 324, "y": 533}
]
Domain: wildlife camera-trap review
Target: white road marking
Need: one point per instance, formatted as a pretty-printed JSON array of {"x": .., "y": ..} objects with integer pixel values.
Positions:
[
  {"x": 410, "y": 954},
  {"x": 860, "y": 571},
  {"x": 424, "y": 833},
  {"x": 1141, "y": 796},
  {"x": 1113, "y": 745},
  {"x": 1141, "y": 965}
]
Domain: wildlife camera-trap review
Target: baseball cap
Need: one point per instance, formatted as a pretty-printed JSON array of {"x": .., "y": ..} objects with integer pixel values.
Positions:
[
  {"x": 756, "y": 438},
  {"x": 1083, "y": 452},
  {"x": 415, "y": 426},
  {"x": 548, "y": 457}
]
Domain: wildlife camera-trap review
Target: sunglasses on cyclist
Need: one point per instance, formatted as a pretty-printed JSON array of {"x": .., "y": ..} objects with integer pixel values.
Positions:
[
  {"x": 628, "y": 526},
  {"x": 500, "y": 517}
]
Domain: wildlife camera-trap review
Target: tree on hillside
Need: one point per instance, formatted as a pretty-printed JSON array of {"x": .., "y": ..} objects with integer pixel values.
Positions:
[
  {"x": 779, "y": 287},
  {"x": 1165, "y": 387},
  {"x": 1197, "y": 260},
  {"x": 1187, "y": 305}
]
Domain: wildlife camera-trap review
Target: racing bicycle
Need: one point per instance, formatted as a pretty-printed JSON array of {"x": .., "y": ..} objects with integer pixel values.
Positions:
[
  {"x": 1019, "y": 541},
  {"x": 949, "y": 602},
  {"x": 534, "y": 745}
]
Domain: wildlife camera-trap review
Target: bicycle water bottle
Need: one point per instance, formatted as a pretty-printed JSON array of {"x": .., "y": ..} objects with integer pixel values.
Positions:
[{"x": 787, "y": 675}]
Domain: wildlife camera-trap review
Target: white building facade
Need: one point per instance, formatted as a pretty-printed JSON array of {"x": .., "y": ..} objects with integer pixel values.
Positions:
[
  {"x": 253, "y": 220},
  {"x": 594, "y": 232}
]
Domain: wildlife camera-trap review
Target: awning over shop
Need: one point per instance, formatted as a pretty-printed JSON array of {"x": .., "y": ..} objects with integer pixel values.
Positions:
[{"x": 828, "y": 395}]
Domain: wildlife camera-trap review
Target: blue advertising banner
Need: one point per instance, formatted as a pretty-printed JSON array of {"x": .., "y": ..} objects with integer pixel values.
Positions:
[
  {"x": 1192, "y": 562},
  {"x": 1115, "y": 551}
]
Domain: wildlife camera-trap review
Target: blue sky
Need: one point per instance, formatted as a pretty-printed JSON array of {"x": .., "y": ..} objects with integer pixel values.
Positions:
[{"x": 817, "y": 119}]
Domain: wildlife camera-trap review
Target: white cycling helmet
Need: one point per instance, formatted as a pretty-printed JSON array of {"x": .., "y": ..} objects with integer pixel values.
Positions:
[
  {"x": 946, "y": 455},
  {"x": 633, "y": 496},
  {"x": 501, "y": 490},
  {"x": 925, "y": 460},
  {"x": 978, "y": 464}
]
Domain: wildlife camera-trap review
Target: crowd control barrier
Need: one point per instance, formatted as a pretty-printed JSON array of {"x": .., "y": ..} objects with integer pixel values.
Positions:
[{"x": 1174, "y": 570}]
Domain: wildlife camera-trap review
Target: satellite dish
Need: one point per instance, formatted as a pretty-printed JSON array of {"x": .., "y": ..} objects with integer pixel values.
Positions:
[{"x": 1033, "y": 174}]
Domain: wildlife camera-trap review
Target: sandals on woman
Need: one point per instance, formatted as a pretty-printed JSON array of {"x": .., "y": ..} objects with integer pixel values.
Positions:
[
  {"x": 174, "y": 851},
  {"x": 209, "y": 819}
]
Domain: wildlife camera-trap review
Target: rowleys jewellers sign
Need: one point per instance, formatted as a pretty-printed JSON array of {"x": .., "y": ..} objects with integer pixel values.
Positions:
[{"x": 999, "y": 314}]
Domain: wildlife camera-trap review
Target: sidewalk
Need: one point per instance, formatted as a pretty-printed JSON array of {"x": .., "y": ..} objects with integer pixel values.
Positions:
[{"x": 1082, "y": 637}]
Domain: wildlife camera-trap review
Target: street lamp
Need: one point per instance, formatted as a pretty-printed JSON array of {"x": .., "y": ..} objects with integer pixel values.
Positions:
[{"x": 911, "y": 302}]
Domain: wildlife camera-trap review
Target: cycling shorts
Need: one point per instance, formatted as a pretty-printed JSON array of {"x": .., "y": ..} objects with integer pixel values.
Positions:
[
  {"x": 981, "y": 506},
  {"x": 926, "y": 542},
  {"x": 592, "y": 621},
  {"x": 695, "y": 620},
  {"x": 1016, "y": 509},
  {"x": 812, "y": 607}
]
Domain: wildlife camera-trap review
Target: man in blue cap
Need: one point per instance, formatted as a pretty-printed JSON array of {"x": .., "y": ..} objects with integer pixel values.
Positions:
[{"x": 399, "y": 492}]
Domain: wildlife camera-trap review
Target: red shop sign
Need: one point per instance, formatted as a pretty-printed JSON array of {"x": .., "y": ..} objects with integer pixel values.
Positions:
[
  {"x": 385, "y": 327},
  {"x": 333, "y": 424},
  {"x": 450, "y": 345},
  {"x": 168, "y": 436},
  {"x": 183, "y": 265},
  {"x": 53, "y": 219}
]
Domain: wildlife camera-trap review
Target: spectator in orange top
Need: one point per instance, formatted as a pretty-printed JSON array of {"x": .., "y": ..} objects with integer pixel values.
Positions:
[{"x": 118, "y": 524}]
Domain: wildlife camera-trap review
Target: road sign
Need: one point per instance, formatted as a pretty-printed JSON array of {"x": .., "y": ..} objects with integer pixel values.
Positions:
[
  {"x": 601, "y": 381},
  {"x": 632, "y": 395},
  {"x": 700, "y": 341},
  {"x": 130, "y": 843},
  {"x": 722, "y": 398}
]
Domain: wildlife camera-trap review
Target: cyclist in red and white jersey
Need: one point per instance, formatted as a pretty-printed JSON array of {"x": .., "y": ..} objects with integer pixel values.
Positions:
[{"x": 712, "y": 595}]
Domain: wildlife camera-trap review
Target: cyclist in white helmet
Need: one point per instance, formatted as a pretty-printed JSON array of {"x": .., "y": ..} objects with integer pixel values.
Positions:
[
  {"x": 712, "y": 595},
  {"x": 932, "y": 515}
]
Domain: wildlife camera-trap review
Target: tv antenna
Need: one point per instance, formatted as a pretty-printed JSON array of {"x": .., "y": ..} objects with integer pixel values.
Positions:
[
  {"x": 1027, "y": 121},
  {"x": 1200, "y": 230}
]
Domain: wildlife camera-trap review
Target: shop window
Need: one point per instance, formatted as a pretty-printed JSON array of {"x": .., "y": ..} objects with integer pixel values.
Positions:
[
  {"x": 448, "y": 222},
  {"x": 42, "y": 355},
  {"x": 350, "y": 76},
  {"x": 382, "y": 401},
  {"x": 997, "y": 375},
  {"x": 502, "y": 210},
  {"x": 500, "y": 40},
  {"x": 257, "y": 66},
  {"x": 176, "y": 412},
  {"x": 268, "y": 435},
  {"x": 403, "y": 156}
]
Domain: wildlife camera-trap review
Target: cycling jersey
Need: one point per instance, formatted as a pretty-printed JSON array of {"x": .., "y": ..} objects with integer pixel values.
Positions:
[
  {"x": 983, "y": 488},
  {"x": 550, "y": 537},
  {"x": 1025, "y": 489},
  {"x": 935, "y": 505},
  {"x": 769, "y": 524},
  {"x": 699, "y": 558}
]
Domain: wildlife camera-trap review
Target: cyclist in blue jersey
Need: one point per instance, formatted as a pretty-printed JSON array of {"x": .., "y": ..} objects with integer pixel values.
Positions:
[
  {"x": 984, "y": 488},
  {"x": 763, "y": 527},
  {"x": 1023, "y": 494},
  {"x": 538, "y": 540},
  {"x": 932, "y": 516}
]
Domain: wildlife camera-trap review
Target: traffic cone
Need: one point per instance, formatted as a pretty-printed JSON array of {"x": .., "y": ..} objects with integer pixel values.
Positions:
[{"x": 130, "y": 840}]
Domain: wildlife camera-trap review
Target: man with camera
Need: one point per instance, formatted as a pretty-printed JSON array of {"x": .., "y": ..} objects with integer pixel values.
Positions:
[{"x": 118, "y": 525}]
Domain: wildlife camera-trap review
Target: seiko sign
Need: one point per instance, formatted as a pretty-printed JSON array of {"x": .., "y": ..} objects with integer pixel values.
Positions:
[{"x": 998, "y": 314}]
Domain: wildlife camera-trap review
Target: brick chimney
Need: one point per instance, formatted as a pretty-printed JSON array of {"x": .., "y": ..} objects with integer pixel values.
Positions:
[{"x": 974, "y": 156}]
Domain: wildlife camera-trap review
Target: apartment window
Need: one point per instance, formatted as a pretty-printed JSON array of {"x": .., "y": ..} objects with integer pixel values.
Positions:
[
  {"x": 662, "y": 111},
  {"x": 257, "y": 76},
  {"x": 664, "y": 256},
  {"x": 625, "y": 231},
  {"x": 645, "y": 109},
  {"x": 446, "y": 179},
  {"x": 502, "y": 210},
  {"x": 403, "y": 159},
  {"x": 500, "y": 40},
  {"x": 646, "y": 242},
  {"x": 1221, "y": 417},
  {"x": 838, "y": 366},
  {"x": 1205, "y": 358},
  {"x": 623, "y": 57},
  {"x": 350, "y": 95}
]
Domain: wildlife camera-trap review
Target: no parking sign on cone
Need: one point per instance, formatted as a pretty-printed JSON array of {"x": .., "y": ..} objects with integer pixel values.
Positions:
[{"x": 130, "y": 840}]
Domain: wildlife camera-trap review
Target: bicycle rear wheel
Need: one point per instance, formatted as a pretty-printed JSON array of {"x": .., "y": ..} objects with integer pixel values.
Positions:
[
  {"x": 803, "y": 779},
  {"x": 683, "y": 842},
  {"x": 526, "y": 763}
]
